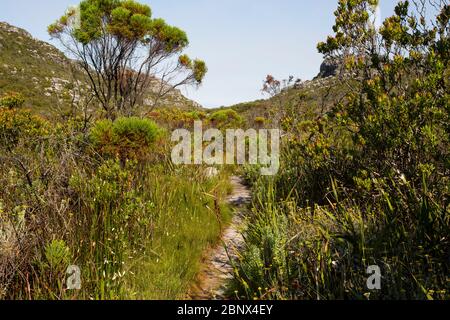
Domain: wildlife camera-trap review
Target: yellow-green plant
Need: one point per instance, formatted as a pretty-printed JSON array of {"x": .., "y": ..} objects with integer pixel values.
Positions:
[
  {"x": 18, "y": 124},
  {"x": 365, "y": 183},
  {"x": 125, "y": 138},
  {"x": 225, "y": 119},
  {"x": 12, "y": 100},
  {"x": 57, "y": 255}
]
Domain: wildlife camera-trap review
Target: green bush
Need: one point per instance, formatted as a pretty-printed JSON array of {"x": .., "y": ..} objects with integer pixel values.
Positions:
[
  {"x": 175, "y": 118},
  {"x": 12, "y": 100},
  {"x": 327, "y": 249},
  {"x": 135, "y": 131},
  {"x": 260, "y": 121},
  {"x": 57, "y": 255},
  {"x": 125, "y": 138},
  {"x": 226, "y": 119},
  {"x": 21, "y": 125}
]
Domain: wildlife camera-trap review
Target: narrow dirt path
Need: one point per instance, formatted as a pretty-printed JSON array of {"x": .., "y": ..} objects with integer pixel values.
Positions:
[{"x": 217, "y": 269}]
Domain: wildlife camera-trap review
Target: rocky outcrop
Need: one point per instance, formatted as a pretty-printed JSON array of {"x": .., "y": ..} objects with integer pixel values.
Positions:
[{"x": 329, "y": 68}]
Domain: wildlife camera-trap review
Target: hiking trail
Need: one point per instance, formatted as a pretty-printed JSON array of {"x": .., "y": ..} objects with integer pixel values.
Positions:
[{"x": 217, "y": 270}]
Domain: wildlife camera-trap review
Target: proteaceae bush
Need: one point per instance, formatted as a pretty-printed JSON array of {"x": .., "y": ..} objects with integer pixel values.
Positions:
[
  {"x": 125, "y": 138},
  {"x": 225, "y": 119},
  {"x": 142, "y": 48},
  {"x": 260, "y": 121},
  {"x": 12, "y": 100},
  {"x": 16, "y": 124}
]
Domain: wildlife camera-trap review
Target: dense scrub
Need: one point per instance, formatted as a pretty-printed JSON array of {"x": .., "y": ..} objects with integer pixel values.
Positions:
[
  {"x": 364, "y": 176},
  {"x": 366, "y": 183},
  {"x": 105, "y": 198},
  {"x": 94, "y": 187}
]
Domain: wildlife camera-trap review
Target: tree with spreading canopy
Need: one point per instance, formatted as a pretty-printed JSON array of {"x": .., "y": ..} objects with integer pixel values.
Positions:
[{"x": 123, "y": 51}]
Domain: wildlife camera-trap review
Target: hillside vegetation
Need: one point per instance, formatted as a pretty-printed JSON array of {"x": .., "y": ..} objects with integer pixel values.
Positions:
[
  {"x": 92, "y": 206},
  {"x": 53, "y": 84},
  {"x": 82, "y": 192},
  {"x": 364, "y": 183}
]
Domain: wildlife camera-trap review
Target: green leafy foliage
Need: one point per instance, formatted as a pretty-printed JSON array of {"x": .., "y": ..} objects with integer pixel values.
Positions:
[
  {"x": 57, "y": 255},
  {"x": 129, "y": 225},
  {"x": 260, "y": 121},
  {"x": 226, "y": 119},
  {"x": 127, "y": 138},
  {"x": 12, "y": 100},
  {"x": 367, "y": 182},
  {"x": 20, "y": 125}
]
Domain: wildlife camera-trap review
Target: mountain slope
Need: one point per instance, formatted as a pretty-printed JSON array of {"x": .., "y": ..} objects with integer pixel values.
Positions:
[
  {"x": 312, "y": 96},
  {"x": 43, "y": 74}
]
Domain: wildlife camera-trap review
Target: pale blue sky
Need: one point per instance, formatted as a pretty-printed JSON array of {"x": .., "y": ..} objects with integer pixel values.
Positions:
[{"x": 241, "y": 40}]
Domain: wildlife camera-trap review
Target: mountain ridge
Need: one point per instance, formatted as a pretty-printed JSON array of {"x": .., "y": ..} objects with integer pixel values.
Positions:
[{"x": 48, "y": 79}]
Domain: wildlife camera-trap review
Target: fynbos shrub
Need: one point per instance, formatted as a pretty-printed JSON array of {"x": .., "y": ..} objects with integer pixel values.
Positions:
[
  {"x": 12, "y": 100},
  {"x": 22, "y": 125},
  {"x": 224, "y": 119},
  {"x": 125, "y": 138}
]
